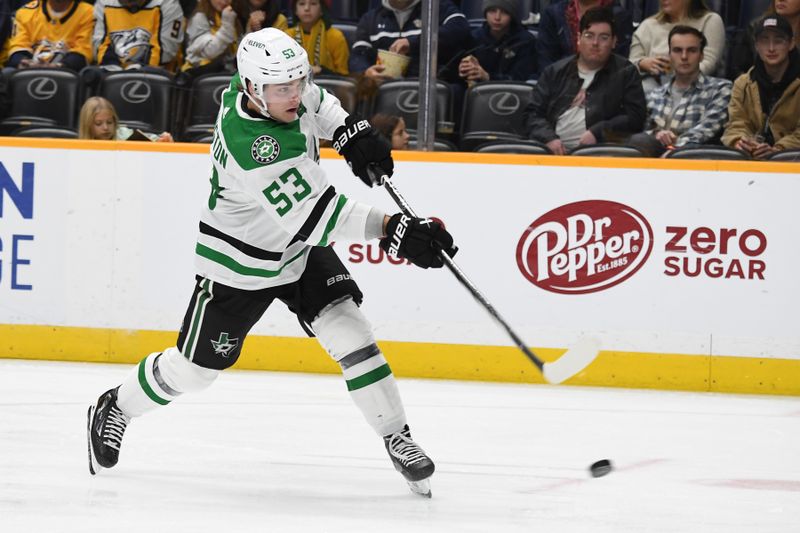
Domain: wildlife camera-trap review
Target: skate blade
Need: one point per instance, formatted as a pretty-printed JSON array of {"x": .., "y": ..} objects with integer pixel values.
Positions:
[
  {"x": 423, "y": 487},
  {"x": 94, "y": 466}
]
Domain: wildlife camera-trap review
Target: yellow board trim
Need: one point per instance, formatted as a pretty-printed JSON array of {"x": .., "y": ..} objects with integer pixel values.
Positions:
[{"x": 423, "y": 360}]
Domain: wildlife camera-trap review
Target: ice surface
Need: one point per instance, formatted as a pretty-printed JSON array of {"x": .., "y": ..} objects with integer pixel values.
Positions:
[{"x": 262, "y": 451}]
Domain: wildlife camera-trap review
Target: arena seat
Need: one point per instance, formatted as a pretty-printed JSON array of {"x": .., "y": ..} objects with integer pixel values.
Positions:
[
  {"x": 46, "y": 131},
  {"x": 349, "y": 31},
  {"x": 341, "y": 10},
  {"x": 203, "y": 104},
  {"x": 514, "y": 147},
  {"x": 401, "y": 98},
  {"x": 606, "y": 150},
  {"x": 786, "y": 156},
  {"x": 142, "y": 99},
  {"x": 42, "y": 97},
  {"x": 344, "y": 89},
  {"x": 708, "y": 152},
  {"x": 493, "y": 111},
  {"x": 439, "y": 145}
]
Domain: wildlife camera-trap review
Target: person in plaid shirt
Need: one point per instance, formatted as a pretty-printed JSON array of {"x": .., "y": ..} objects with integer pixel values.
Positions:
[{"x": 690, "y": 107}]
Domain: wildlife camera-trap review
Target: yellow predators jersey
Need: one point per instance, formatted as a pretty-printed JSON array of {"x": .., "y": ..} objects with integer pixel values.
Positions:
[
  {"x": 150, "y": 36},
  {"x": 49, "y": 37}
]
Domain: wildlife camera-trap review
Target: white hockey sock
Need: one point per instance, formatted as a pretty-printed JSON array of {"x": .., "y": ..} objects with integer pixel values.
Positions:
[
  {"x": 374, "y": 391},
  {"x": 141, "y": 391},
  {"x": 347, "y": 336},
  {"x": 160, "y": 378}
]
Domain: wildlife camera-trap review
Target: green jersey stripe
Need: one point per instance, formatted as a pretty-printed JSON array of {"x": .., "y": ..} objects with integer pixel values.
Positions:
[
  {"x": 369, "y": 378},
  {"x": 333, "y": 220},
  {"x": 146, "y": 386},
  {"x": 232, "y": 264},
  {"x": 203, "y": 298}
]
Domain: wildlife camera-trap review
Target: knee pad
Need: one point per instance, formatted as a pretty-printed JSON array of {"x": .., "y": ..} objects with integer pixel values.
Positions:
[
  {"x": 173, "y": 371},
  {"x": 342, "y": 330}
]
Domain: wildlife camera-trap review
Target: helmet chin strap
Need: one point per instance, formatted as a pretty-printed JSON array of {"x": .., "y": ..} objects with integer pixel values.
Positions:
[{"x": 258, "y": 102}]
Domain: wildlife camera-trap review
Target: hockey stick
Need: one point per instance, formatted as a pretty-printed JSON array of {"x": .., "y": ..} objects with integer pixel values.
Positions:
[{"x": 570, "y": 363}]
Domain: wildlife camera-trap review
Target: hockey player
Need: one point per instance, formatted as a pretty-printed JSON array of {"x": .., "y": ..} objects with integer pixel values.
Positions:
[{"x": 264, "y": 235}]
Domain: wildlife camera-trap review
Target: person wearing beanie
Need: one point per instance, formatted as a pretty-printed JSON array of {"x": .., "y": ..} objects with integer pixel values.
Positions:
[
  {"x": 765, "y": 102},
  {"x": 558, "y": 29},
  {"x": 502, "y": 48},
  {"x": 325, "y": 45}
]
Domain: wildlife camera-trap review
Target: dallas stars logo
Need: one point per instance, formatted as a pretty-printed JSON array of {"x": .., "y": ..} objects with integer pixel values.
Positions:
[
  {"x": 265, "y": 149},
  {"x": 224, "y": 346}
]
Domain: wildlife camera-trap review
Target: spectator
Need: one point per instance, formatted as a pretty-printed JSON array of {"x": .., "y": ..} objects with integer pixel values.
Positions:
[
  {"x": 595, "y": 96},
  {"x": 325, "y": 45},
  {"x": 790, "y": 10},
  {"x": 765, "y": 104},
  {"x": 505, "y": 50},
  {"x": 744, "y": 44},
  {"x": 396, "y": 26},
  {"x": 137, "y": 33},
  {"x": 558, "y": 29},
  {"x": 7, "y": 10},
  {"x": 690, "y": 107},
  {"x": 98, "y": 120},
  {"x": 264, "y": 14},
  {"x": 212, "y": 36},
  {"x": 649, "y": 48},
  {"x": 53, "y": 33},
  {"x": 393, "y": 129}
]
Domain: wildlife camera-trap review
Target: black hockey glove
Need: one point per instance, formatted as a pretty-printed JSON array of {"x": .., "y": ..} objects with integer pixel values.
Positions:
[
  {"x": 361, "y": 145},
  {"x": 420, "y": 240}
]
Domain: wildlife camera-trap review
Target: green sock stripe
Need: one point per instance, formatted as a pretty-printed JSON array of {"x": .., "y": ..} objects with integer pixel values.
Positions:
[
  {"x": 146, "y": 386},
  {"x": 202, "y": 299},
  {"x": 369, "y": 378}
]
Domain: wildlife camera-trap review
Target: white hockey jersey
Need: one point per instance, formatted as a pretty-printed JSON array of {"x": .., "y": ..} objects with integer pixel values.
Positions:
[{"x": 270, "y": 200}]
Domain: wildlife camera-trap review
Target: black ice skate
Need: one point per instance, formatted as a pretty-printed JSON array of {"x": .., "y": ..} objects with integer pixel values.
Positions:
[
  {"x": 105, "y": 428},
  {"x": 410, "y": 460}
]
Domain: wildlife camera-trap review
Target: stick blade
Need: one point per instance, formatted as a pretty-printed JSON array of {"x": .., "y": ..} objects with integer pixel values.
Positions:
[{"x": 573, "y": 361}]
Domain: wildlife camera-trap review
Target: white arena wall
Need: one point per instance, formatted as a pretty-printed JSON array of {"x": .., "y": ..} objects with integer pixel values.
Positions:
[{"x": 686, "y": 271}]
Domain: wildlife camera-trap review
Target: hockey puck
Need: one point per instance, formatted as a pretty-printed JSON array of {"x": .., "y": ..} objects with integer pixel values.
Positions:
[{"x": 600, "y": 468}]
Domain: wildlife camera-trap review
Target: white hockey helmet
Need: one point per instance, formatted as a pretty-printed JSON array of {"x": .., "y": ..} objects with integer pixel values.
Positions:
[{"x": 270, "y": 57}]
